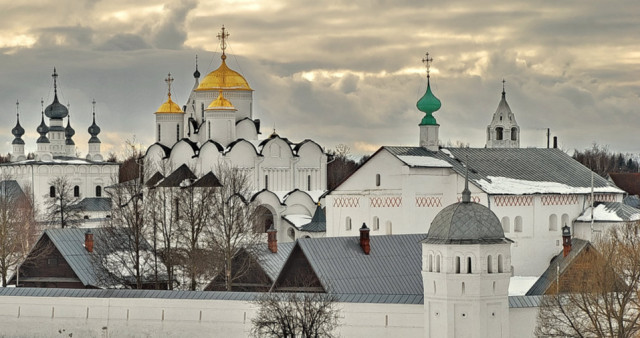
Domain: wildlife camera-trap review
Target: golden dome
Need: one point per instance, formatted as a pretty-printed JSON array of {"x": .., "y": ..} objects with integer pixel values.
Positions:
[
  {"x": 169, "y": 107},
  {"x": 221, "y": 104},
  {"x": 224, "y": 78}
]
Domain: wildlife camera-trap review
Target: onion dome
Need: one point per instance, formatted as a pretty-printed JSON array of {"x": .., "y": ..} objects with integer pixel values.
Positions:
[
  {"x": 223, "y": 78},
  {"x": 94, "y": 130},
  {"x": 221, "y": 104},
  {"x": 428, "y": 103},
  {"x": 17, "y": 131},
  {"x": 169, "y": 107},
  {"x": 56, "y": 110},
  {"x": 69, "y": 132},
  {"x": 466, "y": 222},
  {"x": 42, "y": 130},
  {"x": 196, "y": 74}
]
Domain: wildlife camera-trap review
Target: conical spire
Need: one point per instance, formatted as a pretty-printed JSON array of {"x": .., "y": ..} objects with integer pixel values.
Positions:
[
  {"x": 56, "y": 110},
  {"x": 42, "y": 129},
  {"x": 17, "y": 131},
  {"x": 466, "y": 193},
  {"x": 428, "y": 103},
  {"x": 94, "y": 130}
]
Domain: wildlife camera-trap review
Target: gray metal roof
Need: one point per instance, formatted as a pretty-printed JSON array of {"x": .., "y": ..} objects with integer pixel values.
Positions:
[
  {"x": 271, "y": 262},
  {"x": 393, "y": 266},
  {"x": 176, "y": 178},
  {"x": 526, "y": 164},
  {"x": 11, "y": 189},
  {"x": 94, "y": 204},
  {"x": 207, "y": 181},
  {"x": 549, "y": 275},
  {"x": 514, "y": 301},
  {"x": 625, "y": 212},
  {"x": 632, "y": 201},
  {"x": 465, "y": 223},
  {"x": 318, "y": 222}
]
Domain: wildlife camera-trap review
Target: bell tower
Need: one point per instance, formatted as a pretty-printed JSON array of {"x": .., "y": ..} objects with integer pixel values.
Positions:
[
  {"x": 503, "y": 131},
  {"x": 428, "y": 104}
]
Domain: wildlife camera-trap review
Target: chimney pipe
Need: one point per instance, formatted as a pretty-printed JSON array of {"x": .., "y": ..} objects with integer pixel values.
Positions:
[
  {"x": 555, "y": 142},
  {"x": 566, "y": 240},
  {"x": 364, "y": 239},
  {"x": 272, "y": 239},
  {"x": 88, "y": 241}
]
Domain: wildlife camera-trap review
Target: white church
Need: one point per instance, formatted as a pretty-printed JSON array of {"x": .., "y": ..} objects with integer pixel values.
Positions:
[
  {"x": 216, "y": 125},
  {"x": 55, "y": 157}
]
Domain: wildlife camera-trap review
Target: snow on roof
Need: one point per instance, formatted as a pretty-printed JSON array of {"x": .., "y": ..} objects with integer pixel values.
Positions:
[
  {"x": 315, "y": 194},
  {"x": 424, "y": 161},
  {"x": 610, "y": 212},
  {"x": 505, "y": 185},
  {"x": 298, "y": 220},
  {"x": 519, "y": 285}
]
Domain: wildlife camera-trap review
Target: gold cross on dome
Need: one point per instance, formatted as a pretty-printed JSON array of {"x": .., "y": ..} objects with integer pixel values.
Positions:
[
  {"x": 168, "y": 80},
  {"x": 222, "y": 36},
  {"x": 427, "y": 61}
]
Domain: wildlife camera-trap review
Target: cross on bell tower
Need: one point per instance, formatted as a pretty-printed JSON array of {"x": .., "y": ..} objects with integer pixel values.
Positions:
[
  {"x": 222, "y": 36},
  {"x": 169, "y": 80}
]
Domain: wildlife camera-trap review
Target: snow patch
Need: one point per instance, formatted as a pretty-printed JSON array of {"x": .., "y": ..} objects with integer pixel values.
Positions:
[
  {"x": 511, "y": 186},
  {"x": 298, "y": 220},
  {"x": 424, "y": 161}
]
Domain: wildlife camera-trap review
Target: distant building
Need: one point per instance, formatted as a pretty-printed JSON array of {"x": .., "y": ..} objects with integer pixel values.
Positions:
[{"x": 503, "y": 131}]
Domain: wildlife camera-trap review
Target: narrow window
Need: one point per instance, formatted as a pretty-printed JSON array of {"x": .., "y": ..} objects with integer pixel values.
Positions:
[
  {"x": 389, "y": 228},
  {"x": 177, "y": 132},
  {"x": 553, "y": 222},
  {"x": 176, "y": 207},
  {"x": 505, "y": 224},
  {"x": 266, "y": 182},
  {"x": 468, "y": 264},
  {"x": 159, "y": 129},
  {"x": 377, "y": 180},
  {"x": 308, "y": 182},
  {"x": 517, "y": 224},
  {"x": 209, "y": 129},
  {"x": 347, "y": 223},
  {"x": 500, "y": 268},
  {"x": 376, "y": 223},
  {"x": 489, "y": 264},
  {"x": 494, "y": 287},
  {"x": 430, "y": 263},
  {"x": 202, "y": 110},
  {"x": 52, "y": 191},
  {"x": 434, "y": 287},
  {"x": 514, "y": 134},
  {"x": 76, "y": 191},
  {"x": 499, "y": 133},
  {"x": 438, "y": 263},
  {"x": 457, "y": 264},
  {"x": 98, "y": 191},
  {"x": 463, "y": 290}
]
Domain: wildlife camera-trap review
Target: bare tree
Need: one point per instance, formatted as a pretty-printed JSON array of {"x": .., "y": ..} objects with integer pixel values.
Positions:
[
  {"x": 17, "y": 226},
  {"x": 340, "y": 167},
  {"x": 291, "y": 315},
  {"x": 600, "y": 297},
  {"x": 61, "y": 202},
  {"x": 232, "y": 221}
]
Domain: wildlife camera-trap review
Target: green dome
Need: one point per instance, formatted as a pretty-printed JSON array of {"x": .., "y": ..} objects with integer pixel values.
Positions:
[{"x": 428, "y": 104}]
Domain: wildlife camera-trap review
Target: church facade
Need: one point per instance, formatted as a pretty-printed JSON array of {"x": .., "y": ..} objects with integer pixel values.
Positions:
[
  {"x": 216, "y": 126},
  {"x": 55, "y": 157}
]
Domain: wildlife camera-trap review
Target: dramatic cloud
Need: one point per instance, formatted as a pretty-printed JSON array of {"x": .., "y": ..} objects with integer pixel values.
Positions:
[{"x": 335, "y": 71}]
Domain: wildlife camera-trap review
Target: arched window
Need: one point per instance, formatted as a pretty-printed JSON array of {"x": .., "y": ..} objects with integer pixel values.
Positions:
[
  {"x": 266, "y": 182},
  {"x": 505, "y": 224},
  {"x": 489, "y": 264},
  {"x": 377, "y": 180},
  {"x": 347, "y": 223},
  {"x": 438, "y": 263},
  {"x": 553, "y": 222},
  {"x": 500, "y": 264},
  {"x": 514, "y": 134},
  {"x": 52, "y": 191},
  {"x": 389, "y": 228},
  {"x": 457, "y": 264},
  {"x": 98, "y": 191},
  {"x": 430, "y": 263},
  {"x": 291, "y": 233},
  {"x": 499, "y": 133},
  {"x": 376, "y": 223},
  {"x": 308, "y": 182},
  {"x": 76, "y": 191},
  {"x": 517, "y": 224},
  {"x": 468, "y": 264},
  {"x": 565, "y": 220}
]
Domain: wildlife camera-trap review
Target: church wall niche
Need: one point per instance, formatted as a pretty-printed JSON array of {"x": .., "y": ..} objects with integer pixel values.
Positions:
[{"x": 264, "y": 218}]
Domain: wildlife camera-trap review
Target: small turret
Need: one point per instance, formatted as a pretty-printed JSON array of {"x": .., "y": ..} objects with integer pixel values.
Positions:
[
  {"x": 18, "y": 143},
  {"x": 503, "y": 131},
  {"x": 43, "y": 152},
  {"x": 68, "y": 134},
  {"x": 428, "y": 104},
  {"x": 94, "y": 142}
]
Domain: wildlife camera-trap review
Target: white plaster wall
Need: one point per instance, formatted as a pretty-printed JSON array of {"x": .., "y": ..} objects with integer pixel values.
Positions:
[
  {"x": 522, "y": 322},
  {"x": 120, "y": 317}
]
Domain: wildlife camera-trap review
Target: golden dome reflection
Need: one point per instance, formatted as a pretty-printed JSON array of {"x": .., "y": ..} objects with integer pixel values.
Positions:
[
  {"x": 169, "y": 107},
  {"x": 223, "y": 78}
]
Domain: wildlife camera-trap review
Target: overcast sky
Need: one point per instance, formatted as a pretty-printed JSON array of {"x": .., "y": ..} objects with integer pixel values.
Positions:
[{"x": 333, "y": 71}]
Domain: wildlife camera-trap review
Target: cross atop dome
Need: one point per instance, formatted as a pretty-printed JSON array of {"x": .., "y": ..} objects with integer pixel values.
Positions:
[
  {"x": 169, "y": 80},
  {"x": 427, "y": 62},
  {"x": 55, "y": 81},
  {"x": 222, "y": 36}
]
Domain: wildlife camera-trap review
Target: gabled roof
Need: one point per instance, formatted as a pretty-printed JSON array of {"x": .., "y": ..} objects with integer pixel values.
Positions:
[
  {"x": 392, "y": 267},
  {"x": 519, "y": 171},
  {"x": 318, "y": 222},
  {"x": 157, "y": 177},
  {"x": 578, "y": 246},
  {"x": 610, "y": 212},
  {"x": 207, "y": 181},
  {"x": 629, "y": 182},
  {"x": 11, "y": 189},
  {"x": 94, "y": 204},
  {"x": 176, "y": 178},
  {"x": 271, "y": 262}
]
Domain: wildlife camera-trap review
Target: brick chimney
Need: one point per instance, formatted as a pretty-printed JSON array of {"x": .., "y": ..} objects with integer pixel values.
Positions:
[
  {"x": 566, "y": 240},
  {"x": 272, "y": 239},
  {"x": 88, "y": 241},
  {"x": 364, "y": 239}
]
